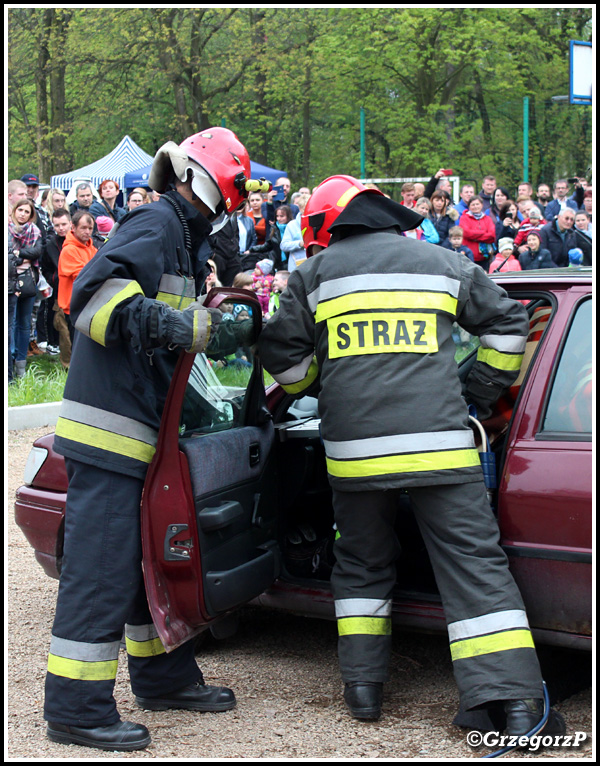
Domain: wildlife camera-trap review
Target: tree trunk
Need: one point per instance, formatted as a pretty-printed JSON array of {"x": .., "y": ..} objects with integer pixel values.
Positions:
[
  {"x": 60, "y": 162},
  {"x": 41, "y": 95}
]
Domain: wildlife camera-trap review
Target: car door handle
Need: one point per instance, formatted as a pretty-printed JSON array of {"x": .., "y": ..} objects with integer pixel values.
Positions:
[
  {"x": 254, "y": 454},
  {"x": 211, "y": 519}
]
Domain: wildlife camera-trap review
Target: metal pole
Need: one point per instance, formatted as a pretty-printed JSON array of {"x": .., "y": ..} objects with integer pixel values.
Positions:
[
  {"x": 526, "y": 138},
  {"x": 362, "y": 143}
]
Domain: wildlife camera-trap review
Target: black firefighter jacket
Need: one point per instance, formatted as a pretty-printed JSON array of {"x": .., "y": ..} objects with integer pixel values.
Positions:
[
  {"x": 115, "y": 390},
  {"x": 370, "y": 321}
]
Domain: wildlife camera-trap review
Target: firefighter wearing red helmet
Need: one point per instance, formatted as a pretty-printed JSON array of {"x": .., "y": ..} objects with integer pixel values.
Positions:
[
  {"x": 366, "y": 325},
  {"x": 323, "y": 207},
  {"x": 134, "y": 308}
]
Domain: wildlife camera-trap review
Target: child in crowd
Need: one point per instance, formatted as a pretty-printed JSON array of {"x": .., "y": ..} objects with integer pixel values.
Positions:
[
  {"x": 575, "y": 257},
  {"x": 243, "y": 281},
  {"x": 505, "y": 259},
  {"x": 280, "y": 281},
  {"x": 262, "y": 281},
  {"x": 535, "y": 256},
  {"x": 455, "y": 242},
  {"x": 104, "y": 225}
]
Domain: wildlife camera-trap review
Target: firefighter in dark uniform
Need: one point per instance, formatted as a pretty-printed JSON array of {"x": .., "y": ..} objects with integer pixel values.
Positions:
[
  {"x": 134, "y": 308},
  {"x": 368, "y": 325}
]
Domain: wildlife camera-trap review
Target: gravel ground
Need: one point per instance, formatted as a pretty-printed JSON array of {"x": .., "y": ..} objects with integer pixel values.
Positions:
[{"x": 284, "y": 671}]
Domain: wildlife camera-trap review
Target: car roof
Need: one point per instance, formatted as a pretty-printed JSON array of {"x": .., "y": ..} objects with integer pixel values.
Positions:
[{"x": 561, "y": 276}]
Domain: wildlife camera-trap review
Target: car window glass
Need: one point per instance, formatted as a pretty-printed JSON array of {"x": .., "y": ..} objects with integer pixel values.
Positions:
[
  {"x": 218, "y": 382},
  {"x": 570, "y": 404},
  {"x": 465, "y": 342}
]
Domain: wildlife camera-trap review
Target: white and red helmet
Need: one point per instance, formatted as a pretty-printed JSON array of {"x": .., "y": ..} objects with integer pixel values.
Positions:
[
  {"x": 324, "y": 206},
  {"x": 220, "y": 167}
]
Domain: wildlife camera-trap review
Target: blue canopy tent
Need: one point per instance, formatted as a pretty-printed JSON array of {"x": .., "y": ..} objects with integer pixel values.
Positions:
[
  {"x": 124, "y": 158},
  {"x": 140, "y": 176}
]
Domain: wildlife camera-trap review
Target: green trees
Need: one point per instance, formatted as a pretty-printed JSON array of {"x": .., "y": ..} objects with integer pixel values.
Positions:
[{"x": 440, "y": 87}]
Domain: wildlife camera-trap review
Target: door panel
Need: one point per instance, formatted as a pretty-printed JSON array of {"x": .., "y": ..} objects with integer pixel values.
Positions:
[
  {"x": 209, "y": 510},
  {"x": 233, "y": 490}
]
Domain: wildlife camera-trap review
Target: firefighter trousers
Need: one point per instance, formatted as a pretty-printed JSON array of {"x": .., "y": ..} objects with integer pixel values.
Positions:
[
  {"x": 101, "y": 596},
  {"x": 490, "y": 642}
]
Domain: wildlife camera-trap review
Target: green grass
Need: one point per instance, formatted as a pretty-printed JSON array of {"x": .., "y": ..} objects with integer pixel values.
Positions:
[{"x": 43, "y": 382}]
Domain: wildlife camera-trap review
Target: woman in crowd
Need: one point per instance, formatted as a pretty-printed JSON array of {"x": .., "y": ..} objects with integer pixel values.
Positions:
[
  {"x": 134, "y": 199},
  {"x": 442, "y": 216},
  {"x": 479, "y": 232},
  {"x": 255, "y": 200},
  {"x": 508, "y": 221},
  {"x": 144, "y": 192},
  {"x": 428, "y": 230},
  {"x": 272, "y": 247},
  {"x": 27, "y": 247},
  {"x": 500, "y": 197},
  {"x": 57, "y": 200},
  {"x": 107, "y": 204}
]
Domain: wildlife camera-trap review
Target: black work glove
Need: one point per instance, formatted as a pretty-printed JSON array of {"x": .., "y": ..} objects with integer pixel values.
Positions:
[{"x": 191, "y": 329}]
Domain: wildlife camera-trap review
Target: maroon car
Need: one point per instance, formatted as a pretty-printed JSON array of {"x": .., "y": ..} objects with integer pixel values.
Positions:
[{"x": 237, "y": 506}]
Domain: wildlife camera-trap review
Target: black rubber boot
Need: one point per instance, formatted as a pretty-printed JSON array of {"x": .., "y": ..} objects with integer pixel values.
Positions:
[
  {"x": 364, "y": 699},
  {"x": 523, "y": 715},
  {"x": 196, "y": 696},
  {"x": 122, "y": 735}
]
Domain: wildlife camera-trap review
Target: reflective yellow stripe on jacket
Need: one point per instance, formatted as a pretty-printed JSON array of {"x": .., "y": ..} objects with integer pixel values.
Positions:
[
  {"x": 402, "y": 453},
  {"x": 298, "y": 378},
  {"x": 106, "y": 431},
  {"x": 503, "y": 352},
  {"x": 93, "y": 321}
]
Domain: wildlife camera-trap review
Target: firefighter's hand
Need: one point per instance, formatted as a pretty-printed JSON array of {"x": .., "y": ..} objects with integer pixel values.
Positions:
[
  {"x": 199, "y": 326},
  {"x": 191, "y": 329}
]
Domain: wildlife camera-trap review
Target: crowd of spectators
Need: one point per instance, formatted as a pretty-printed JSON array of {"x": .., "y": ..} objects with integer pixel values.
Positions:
[
  {"x": 498, "y": 228},
  {"x": 493, "y": 221}
]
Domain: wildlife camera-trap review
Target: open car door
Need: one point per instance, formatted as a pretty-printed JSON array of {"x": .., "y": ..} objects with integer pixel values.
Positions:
[{"x": 209, "y": 510}]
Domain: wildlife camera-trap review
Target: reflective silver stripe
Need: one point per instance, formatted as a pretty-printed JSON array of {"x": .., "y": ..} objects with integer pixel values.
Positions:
[
  {"x": 399, "y": 444},
  {"x": 177, "y": 292},
  {"x": 488, "y": 623},
  {"x": 84, "y": 652},
  {"x": 108, "y": 421},
  {"x": 294, "y": 374},
  {"x": 508, "y": 344},
  {"x": 335, "y": 288},
  {"x": 141, "y": 632},
  {"x": 103, "y": 296},
  {"x": 363, "y": 607}
]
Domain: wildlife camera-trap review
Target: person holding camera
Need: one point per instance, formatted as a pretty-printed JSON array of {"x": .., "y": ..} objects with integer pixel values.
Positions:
[{"x": 508, "y": 220}]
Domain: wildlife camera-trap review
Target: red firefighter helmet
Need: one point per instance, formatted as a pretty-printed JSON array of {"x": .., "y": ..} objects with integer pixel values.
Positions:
[
  {"x": 325, "y": 204},
  {"x": 220, "y": 152}
]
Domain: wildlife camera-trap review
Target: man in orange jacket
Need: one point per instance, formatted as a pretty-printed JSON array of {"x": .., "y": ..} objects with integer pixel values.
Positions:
[{"x": 77, "y": 250}]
